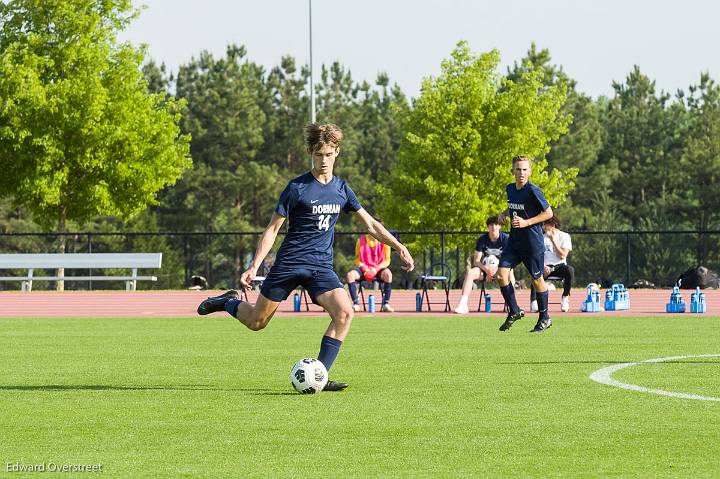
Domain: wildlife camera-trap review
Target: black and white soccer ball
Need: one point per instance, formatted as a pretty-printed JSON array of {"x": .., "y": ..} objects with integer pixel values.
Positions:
[
  {"x": 309, "y": 376},
  {"x": 491, "y": 261}
]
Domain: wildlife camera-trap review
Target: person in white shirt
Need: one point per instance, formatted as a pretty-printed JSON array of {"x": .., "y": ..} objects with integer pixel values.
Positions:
[{"x": 557, "y": 248}]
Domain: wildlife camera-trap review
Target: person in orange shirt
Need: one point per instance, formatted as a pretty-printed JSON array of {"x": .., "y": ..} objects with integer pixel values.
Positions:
[{"x": 373, "y": 259}]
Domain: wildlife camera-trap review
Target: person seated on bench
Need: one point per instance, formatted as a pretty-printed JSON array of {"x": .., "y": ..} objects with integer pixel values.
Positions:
[
  {"x": 373, "y": 261},
  {"x": 557, "y": 248},
  {"x": 485, "y": 260}
]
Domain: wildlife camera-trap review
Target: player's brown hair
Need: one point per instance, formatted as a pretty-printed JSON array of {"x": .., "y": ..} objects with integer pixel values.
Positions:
[
  {"x": 317, "y": 136},
  {"x": 521, "y": 158},
  {"x": 553, "y": 221}
]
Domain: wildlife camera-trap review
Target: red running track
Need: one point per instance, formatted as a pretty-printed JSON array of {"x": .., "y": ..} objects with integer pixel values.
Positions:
[{"x": 184, "y": 303}]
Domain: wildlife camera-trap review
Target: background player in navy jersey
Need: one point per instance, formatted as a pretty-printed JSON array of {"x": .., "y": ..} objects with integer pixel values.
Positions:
[
  {"x": 312, "y": 204},
  {"x": 529, "y": 209},
  {"x": 487, "y": 244}
]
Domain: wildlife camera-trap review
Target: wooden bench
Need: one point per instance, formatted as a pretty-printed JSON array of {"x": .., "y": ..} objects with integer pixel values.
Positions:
[{"x": 49, "y": 261}]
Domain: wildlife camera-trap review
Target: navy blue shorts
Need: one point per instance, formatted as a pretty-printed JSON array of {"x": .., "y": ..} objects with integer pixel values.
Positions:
[
  {"x": 533, "y": 262},
  {"x": 280, "y": 282}
]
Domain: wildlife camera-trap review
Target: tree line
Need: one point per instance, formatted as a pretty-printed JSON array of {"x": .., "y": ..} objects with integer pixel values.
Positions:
[{"x": 96, "y": 137}]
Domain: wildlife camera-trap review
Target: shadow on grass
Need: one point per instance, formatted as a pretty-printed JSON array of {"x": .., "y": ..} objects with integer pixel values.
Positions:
[
  {"x": 104, "y": 387},
  {"x": 259, "y": 392}
]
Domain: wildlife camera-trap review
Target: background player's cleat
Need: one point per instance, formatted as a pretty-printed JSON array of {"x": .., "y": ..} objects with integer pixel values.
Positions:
[
  {"x": 356, "y": 307},
  {"x": 216, "y": 303},
  {"x": 511, "y": 318},
  {"x": 334, "y": 386},
  {"x": 541, "y": 325},
  {"x": 386, "y": 308}
]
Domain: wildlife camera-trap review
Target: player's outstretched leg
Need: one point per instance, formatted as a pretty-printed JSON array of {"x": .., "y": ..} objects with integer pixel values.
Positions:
[
  {"x": 254, "y": 317},
  {"x": 338, "y": 305},
  {"x": 214, "y": 304}
]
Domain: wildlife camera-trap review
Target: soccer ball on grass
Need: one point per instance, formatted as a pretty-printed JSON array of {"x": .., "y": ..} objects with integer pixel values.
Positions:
[{"x": 309, "y": 376}]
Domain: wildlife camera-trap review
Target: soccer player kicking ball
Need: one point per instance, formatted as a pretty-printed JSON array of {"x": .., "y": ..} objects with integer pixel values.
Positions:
[
  {"x": 529, "y": 209},
  {"x": 312, "y": 204}
]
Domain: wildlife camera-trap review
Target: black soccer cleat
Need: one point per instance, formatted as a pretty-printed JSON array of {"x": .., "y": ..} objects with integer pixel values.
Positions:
[
  {"x": 511, "y": 318},
  {"x": 335, "y": 386},
  {"x": 216, "y": 303},
  {"x": 541, "y": 325}
]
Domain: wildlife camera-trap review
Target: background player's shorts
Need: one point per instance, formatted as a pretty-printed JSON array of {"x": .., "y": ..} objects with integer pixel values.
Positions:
[
  {"x": 533, "y": 262},
  {"x": 280, "y": 282}
]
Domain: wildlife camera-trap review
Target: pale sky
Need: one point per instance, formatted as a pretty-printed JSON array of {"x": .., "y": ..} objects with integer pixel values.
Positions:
[{"x": 595, "y": 41}]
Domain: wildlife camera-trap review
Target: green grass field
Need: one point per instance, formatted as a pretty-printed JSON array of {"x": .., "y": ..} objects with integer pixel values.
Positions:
[{"x": 440, "y": 396}]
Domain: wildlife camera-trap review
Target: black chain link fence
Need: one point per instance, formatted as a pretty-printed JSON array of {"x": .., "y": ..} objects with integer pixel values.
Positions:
[{"x": 606, "y": 257}]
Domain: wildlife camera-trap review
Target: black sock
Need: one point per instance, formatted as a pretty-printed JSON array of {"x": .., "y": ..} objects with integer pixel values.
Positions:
[
  {"x": 352, "y": 288},
  {"x": 231, "y": 306},
  {"x": 508, "y": 293},
  {"x": 542, "y": 299},
  {"x": 329, "y": 349},
  {"x": 387, "y": 289}
]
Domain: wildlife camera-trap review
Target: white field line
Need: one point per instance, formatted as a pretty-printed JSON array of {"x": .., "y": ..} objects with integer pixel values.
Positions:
[{"x": 604, "y": 376}]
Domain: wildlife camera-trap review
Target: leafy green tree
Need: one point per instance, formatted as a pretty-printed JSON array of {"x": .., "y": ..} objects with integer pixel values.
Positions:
[
  {"x": 232, "y": 186},
  {"x": 380, "y": 120},
  {"x": 337, "y": 102},
  {"x": 289, "y": 113},
  {"x": 454, "y": 162},
  {"x": 226, "y": 117},
  {"x": 370, "y": 116},
  {"x": 80, "y": 135},
  {"x": 17, "y": 219},
  {"x": 580, "y": 147},
  {"x": 157, "y": 77},
  {"x": 699, "y": 165},
  {"x": 643, "y": 143}
]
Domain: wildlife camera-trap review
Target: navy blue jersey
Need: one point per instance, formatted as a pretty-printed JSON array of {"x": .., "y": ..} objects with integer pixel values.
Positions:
[
  {"x": 312, "y": 209},
  {"x": 527, "y": 202},
  {"x": 487, "y": 247}
]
